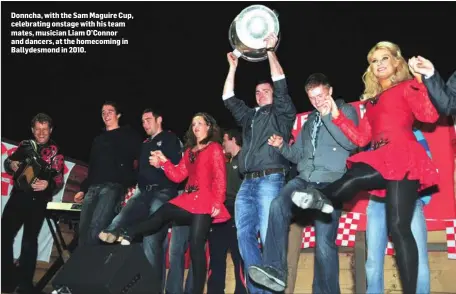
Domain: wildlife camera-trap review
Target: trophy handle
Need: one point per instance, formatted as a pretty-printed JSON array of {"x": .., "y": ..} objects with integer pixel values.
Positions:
[{"x": 237, "y": 53}]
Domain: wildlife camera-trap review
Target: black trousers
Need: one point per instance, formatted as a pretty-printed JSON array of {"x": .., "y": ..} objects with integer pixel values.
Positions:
[
  {"x": 27, "y": 209},
  {"x": 199, "y": 230},
  {"x": 223, "y": 237},
  {"x": 401, "y": 196}
]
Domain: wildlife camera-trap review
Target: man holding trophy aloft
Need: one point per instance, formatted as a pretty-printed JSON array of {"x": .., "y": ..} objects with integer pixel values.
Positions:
[{"x": 253, "y": 35}]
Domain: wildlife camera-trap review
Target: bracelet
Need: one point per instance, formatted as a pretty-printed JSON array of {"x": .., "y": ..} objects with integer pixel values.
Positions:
[{"x": 270, "y": 49}]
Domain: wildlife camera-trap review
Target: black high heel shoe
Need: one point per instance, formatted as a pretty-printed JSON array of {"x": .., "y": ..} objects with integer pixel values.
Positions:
[{"x": 119, "y": 235}]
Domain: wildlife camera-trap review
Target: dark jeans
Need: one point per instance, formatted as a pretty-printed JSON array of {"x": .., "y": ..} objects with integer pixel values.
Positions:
[
  {"x": 21, "y": 209},
  {"x": 176, "y": 251},
  {"x": 143, "y": 204},
  {"x": 222, "y": 237},
  {"x": 199, "y": 230},
  {"x": 98, "y": 210},
  {"x": 326, "y": 265}
]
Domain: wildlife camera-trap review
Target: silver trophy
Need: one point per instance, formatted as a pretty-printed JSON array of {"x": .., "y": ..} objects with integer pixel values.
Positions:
[{"x": 249, "y": 29}]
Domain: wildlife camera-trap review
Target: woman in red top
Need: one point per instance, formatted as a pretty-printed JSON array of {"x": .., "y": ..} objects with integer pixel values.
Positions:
[
  {"x": 397, "y": 166},
  {"x": 202, "y": 201}
]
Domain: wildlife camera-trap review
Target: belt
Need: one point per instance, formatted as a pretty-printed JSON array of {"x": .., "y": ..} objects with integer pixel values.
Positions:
[{"x": 263, "y": 173}]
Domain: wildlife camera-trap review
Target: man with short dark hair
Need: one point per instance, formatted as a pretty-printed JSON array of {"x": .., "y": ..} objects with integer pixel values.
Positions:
[
  {"x": 320, "y": 152},
  {"x": 111, "y": 171},
  {"x": 27, "y": 203},
  {"x": 264, "y": 169},
  {"x": 223, "y": 236}
]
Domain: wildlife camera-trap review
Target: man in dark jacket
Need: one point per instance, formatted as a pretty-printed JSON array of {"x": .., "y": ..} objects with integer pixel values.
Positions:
[
  {"x": 442, "y": 95},
  {"x": 112, "y": 164},
  {"x": 264, "y": 169},
  {"x": 27, "y": 205},
  {"x": 223, "y": 236},
  {"x": 320, "y": 151}
]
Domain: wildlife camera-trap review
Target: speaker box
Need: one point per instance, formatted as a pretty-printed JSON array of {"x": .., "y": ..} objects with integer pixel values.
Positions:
[{"x": 107, "y": 269}]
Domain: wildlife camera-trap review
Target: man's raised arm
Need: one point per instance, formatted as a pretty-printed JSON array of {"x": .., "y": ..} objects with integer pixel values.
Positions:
[{"x": 236, "y": 106}]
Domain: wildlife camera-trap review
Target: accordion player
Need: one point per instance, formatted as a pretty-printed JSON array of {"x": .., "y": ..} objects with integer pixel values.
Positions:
[{"x": 32, "y": 166}]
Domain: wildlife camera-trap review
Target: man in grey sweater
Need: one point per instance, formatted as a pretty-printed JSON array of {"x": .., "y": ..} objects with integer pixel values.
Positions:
[{"x": 320, "y": 152}]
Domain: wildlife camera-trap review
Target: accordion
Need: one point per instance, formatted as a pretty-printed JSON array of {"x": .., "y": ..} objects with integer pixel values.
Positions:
[{"x": 31, "y": 168}]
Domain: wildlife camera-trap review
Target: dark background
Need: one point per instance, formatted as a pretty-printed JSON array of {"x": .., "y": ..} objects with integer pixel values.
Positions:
[{"x": 176, "y": 60}]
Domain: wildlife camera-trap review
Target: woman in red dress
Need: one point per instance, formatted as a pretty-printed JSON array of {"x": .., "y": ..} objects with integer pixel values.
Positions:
[
  {"x": 202, "y": 201},
  {"x": 397, "y": 166}
]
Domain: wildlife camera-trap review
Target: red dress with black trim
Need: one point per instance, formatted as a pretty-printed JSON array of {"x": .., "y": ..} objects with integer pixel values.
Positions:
[
  {"x": 387, "y": 124},
  {"x": 206, "y": 185}
]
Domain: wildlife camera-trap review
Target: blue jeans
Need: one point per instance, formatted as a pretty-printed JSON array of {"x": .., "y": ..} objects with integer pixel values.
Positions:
[
  {"x": 139, "y": 207},
  {"x": 326, "y": 265},
  {"x": 252, "y": 214},
  {"x": 377, "y": 239},
  {"x": 98, "y": 210},
  {"x": 177, "y": 247}
]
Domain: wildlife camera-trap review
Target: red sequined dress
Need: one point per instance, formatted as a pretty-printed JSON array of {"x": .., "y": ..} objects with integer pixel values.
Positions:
[
  {"x": 206, "y": 185},
  {"x": 387, "y": 125}
]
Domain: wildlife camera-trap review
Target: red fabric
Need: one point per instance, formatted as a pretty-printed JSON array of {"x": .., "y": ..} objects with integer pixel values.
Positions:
[
  {"x": 388, "y": 122},
  {"x": 207, "y": 174}
]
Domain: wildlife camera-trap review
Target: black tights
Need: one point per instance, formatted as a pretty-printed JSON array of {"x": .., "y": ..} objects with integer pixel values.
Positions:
[
  {"x": 400, "y": 200},
  {"x": 199, "y": 230}
]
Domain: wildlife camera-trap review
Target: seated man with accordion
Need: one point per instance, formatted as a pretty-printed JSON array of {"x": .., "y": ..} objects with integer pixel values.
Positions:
[{"x": 37, "y": 168}]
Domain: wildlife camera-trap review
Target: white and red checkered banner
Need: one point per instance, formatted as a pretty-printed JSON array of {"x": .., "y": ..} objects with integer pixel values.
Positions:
[
  {"x": 451, "y": 238},
  {"x": 308, "y": 237},
  {"x": 389, "y": 250},
  {"x": 348, "y": 226},
  {"x": 130, "y": 193},
  {"x": 45, "y": 241}
]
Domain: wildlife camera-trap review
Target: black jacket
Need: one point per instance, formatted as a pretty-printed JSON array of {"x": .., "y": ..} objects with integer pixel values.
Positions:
[
  {"x": 442, "y": 96},
  {"x": 112, "y": 158},
  {"x": 259, "y": 125},
  {"x": 171, "y": 147}
]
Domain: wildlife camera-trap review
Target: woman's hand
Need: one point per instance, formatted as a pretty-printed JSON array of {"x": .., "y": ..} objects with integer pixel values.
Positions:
[
  {"x": 215, "y": 211},
  {"x": 159, "y": 155}
]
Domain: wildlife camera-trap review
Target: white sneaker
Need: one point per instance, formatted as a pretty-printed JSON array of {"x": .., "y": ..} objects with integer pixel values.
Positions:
[{"x": 312, "y": 199}]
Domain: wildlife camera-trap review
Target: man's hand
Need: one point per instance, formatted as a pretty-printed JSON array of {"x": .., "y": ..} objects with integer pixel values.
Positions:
[
  {"x": 232, "y": 60},
  {"x": 14, "y": 165},
  {"x": 159, "y": 155},
  {"x": 420, "y": 65},
  {"x": 271, "y": 41},
  {"x": 325, "y": 108},
  {"x": 79, "y": 197},
  {"x": 275, "y": 141},
  {"x": 40, "y": 185},
  {"x": 334, "y": 109},
  {"x": 154, "y": 161}
]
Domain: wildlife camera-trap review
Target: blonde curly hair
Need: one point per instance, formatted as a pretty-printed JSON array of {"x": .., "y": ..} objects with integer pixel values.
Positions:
[{"x": 372, "y": 86}]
